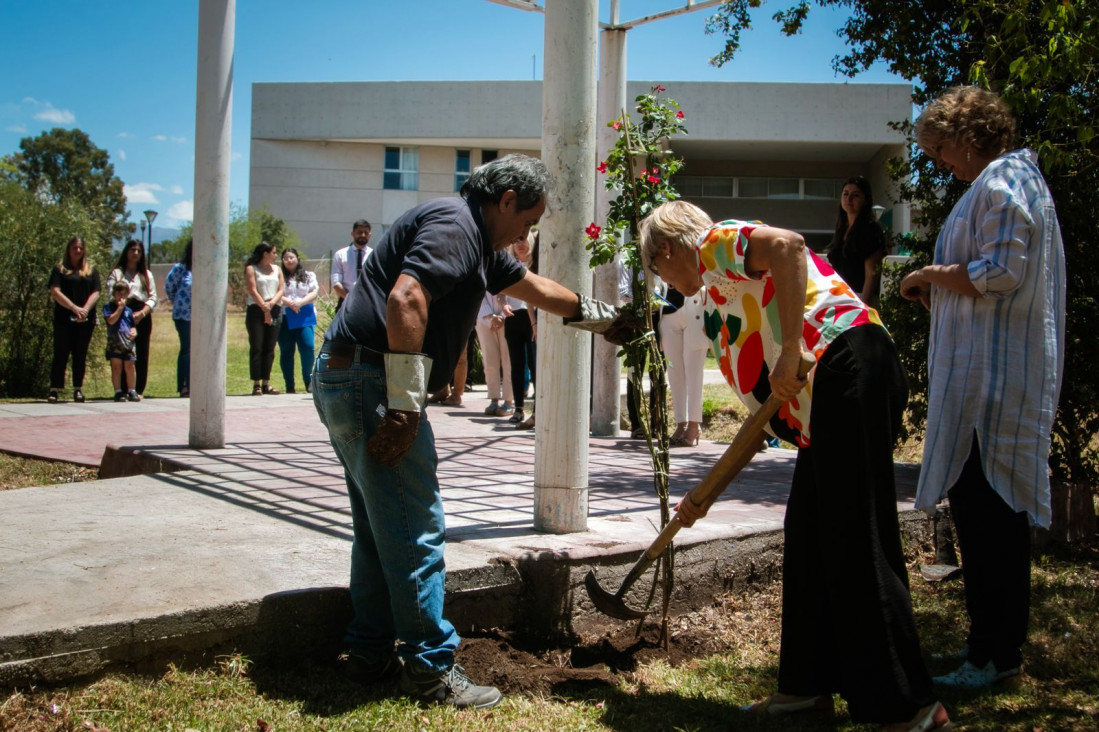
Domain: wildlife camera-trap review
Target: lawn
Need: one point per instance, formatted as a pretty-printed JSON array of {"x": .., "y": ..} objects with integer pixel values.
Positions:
[
  {"x": 1060, "y": 691},
  {"x": 164, "y": 348}
]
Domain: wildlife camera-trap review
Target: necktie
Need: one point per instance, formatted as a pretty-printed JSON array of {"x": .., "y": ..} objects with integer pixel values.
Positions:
[{"x": 358, "y": 261}]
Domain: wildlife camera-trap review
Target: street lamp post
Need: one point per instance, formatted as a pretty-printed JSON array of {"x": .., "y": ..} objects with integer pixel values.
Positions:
[
  {"x": 142, "y": 222},
  {"x": 150, "y": 216}
]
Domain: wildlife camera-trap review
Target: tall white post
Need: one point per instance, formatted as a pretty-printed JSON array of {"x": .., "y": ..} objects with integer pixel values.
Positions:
[
  {"x": 213, "y": 121},
  {"x": 564, "y": 354},
  {"x": 606, "y": 376}
]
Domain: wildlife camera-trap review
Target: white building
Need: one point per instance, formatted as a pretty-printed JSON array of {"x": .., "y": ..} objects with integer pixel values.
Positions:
[{"x": 326, "y": 154}]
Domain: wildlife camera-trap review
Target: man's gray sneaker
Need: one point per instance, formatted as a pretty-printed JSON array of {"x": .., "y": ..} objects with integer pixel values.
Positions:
[
  {"x": 365, "y": 671},
  {"x": 449, "y": 687}
]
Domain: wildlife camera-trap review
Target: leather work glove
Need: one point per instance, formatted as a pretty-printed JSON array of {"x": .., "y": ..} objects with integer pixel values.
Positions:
[
  {"x": 406, "y": 393},
  {"x": 595, "y": 316},
  {"x": 627, "y": 327}
]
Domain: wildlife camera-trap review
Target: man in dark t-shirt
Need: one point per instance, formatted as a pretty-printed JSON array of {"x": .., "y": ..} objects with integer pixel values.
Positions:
[{"x": 398, "y": 337}]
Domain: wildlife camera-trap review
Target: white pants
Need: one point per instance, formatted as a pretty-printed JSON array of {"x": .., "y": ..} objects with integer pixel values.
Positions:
[
  {"x": 683, "y": 339},
  {"x": 494, "y": 354}
]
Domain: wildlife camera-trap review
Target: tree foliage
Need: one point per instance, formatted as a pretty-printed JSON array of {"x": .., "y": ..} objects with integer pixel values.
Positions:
[
  {"x": 65, "y": 166},
  {"x": 1042, "y": 56}
]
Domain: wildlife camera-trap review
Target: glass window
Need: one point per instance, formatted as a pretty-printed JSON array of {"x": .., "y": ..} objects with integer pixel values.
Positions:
[
  {"x": 784, "y": 188},
  {"x": 821, "y": 189},
  {"x": 461, "y": 169},
  {"x": 717, "y": 187},
  {"x": 401, "y": 169},
  {"x": 688, "y": 185},
  {"x": 487, "y": 156},
  {"x": 752, "y": 188}
]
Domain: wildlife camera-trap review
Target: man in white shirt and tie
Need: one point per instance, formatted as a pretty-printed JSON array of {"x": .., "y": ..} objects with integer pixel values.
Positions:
[{"x": 347, "y": 261}]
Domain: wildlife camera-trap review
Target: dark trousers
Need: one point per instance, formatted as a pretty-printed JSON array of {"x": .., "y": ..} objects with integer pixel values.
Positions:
[
  {"x": 261, "y": 341},
  {"x": 141, "y": 347},
  {"x": 183, "y": 361},
  {"x": 519, "y": 335},
  {"x": 995, "y": 545},
  {"x": 70, "y": 339},
  {"x": 847, "y": 623}
]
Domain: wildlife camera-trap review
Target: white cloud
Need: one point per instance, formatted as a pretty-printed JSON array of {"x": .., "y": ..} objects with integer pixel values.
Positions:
[
  {"x": 53, "y": 115},
  {"x": 176, "y": 190},
  {"x": 160, "y": 138},
  {"x": 179, "y": 139},
  {"x": 141, "y": 192},
  {"x": 121, "y": 154},
  {"x": 21, "y": 129},
  {"x": 183, "y": 211},
  {"x": 234, "y": 157},
  {"x": 126, "y": 135}
]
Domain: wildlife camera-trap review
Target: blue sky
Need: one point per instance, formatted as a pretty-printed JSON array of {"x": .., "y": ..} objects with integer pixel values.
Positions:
[{"x": 124, "y": 71}]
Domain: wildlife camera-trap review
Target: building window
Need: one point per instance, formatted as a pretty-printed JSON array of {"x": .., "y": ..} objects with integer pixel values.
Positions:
[
  {"x": 487, "y": 156},
  {"x": 401, "y": 169},
  {"x": 803, "y": 189},
  {"x": 461, "y": 169}
]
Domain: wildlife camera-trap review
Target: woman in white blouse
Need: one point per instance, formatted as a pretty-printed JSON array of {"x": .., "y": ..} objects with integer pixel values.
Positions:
[
  {"x": 132, "y": 268},
  {"x": 263, "y": 282},
  {"x": 299, "y": 290}
]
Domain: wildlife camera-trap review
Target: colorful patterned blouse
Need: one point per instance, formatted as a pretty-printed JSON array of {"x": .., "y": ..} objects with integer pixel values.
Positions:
[{"x": 742, "y": 321}]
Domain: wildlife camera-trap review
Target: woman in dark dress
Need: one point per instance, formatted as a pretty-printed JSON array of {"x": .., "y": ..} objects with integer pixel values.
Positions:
[
  {"x": 74, "y": 287},
  {"x": 858, "y": 245}
]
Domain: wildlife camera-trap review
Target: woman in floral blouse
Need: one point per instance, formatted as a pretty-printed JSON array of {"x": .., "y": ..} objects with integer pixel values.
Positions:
[
  {"x": 847, "y": 624},
  {"x": 178, "y": 288}
]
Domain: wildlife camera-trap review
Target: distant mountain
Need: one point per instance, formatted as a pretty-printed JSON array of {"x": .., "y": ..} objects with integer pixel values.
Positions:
[{"x": 160, "y": 233}]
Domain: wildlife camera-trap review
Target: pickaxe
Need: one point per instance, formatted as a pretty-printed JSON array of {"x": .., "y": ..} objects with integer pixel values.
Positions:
[{"x": 743, "y": 448}]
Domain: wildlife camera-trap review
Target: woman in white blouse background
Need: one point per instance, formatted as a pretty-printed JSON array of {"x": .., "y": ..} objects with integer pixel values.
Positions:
[
  {"x": 132, "y": 268},
  {"x": 996, "y": 291},
  {"x": 299, "y": 291}
]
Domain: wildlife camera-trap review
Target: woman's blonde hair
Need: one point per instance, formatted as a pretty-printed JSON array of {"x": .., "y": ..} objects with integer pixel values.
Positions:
[
  {"x": 967, "y": 115},
  {"x": 68, "y": 267},
  {"x": 677, "y": 222}
]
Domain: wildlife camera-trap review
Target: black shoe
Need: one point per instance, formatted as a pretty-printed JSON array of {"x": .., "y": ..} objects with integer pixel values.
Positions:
[
  {"x": 362, "y": 671},
  {"x": 78, "y": 396},
  {"x": 119, "y": 396},
  {"x": 52, "y": 398},
  {"x": 449, "y": 687}
]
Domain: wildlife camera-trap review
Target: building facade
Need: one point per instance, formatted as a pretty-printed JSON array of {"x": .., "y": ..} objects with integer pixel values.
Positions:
[{"x": 326, "y": 154}]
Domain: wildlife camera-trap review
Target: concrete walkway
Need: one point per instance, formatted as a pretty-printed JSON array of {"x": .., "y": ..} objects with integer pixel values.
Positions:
[{"x": 248, "y": 546}]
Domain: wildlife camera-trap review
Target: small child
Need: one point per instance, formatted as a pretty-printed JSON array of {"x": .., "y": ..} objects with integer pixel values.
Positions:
[{"x": 121, "y": 333}]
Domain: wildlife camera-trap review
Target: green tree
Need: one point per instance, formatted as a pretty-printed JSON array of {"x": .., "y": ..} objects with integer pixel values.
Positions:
[
  {"x": 65, "y": 166},
  {"x": 33, "y": 235},
  {"x": 1042, "y": 56}
]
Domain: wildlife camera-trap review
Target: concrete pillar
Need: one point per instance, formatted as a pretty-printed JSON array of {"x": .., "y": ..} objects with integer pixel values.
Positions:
[
  {"x": 564, "y": 354},
  {"x": 213, "y": 121},
  {"x": 606, "y": 376}
]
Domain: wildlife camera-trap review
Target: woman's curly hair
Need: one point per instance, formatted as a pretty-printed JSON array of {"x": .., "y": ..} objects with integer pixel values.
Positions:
[{"x": 967, "y": 115}]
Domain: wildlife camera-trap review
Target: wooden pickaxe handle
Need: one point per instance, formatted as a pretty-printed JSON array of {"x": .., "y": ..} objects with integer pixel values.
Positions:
[{"x": 743, "y": 448}]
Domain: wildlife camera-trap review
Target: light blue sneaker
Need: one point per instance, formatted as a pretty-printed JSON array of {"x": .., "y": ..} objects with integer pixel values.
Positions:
[{"x": 968, "y": 676}]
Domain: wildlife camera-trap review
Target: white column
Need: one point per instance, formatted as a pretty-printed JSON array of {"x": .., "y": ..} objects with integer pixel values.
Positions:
[
  {"x": 213, "y": 121},
  {"x": 606, "y": 376},
  {"x": 564, "y": 354}
]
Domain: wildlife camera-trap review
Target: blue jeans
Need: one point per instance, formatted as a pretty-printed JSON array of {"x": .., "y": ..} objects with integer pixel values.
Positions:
[
  {"x": 183, "y": 361},
  {"x": 302, "y": 338},
  {"x": 397, "y": 571}
]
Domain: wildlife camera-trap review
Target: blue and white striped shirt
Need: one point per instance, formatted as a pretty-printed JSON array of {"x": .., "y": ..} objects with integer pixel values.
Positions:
[{"x": 995, "y": 362}]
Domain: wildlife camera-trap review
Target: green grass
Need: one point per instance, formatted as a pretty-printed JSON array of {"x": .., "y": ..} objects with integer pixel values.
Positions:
[
  {"x": 17, "y": 472},
  {"x": 164, "y": 348},
  {"x": 1060, "y": 691}
]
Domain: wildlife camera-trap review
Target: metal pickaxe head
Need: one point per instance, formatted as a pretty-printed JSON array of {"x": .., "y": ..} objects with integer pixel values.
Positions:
[{"x": 608, "y": 604}]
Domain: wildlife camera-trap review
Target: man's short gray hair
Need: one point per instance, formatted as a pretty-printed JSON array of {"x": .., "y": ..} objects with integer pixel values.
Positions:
[{"x": 523, "y": 174}]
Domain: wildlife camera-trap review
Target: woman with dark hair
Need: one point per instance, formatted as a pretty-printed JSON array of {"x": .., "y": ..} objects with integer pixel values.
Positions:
[
  {"x": 133, "y": 269},
  {"x": 178, "y": 288},
  {"x": 74, "y": 287},
  {"x": 996, "y": 292},
  {"x": 298, "y": 318},
  {"x": 858, "y": 245},
  {"x": 263, "y": 282}
]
